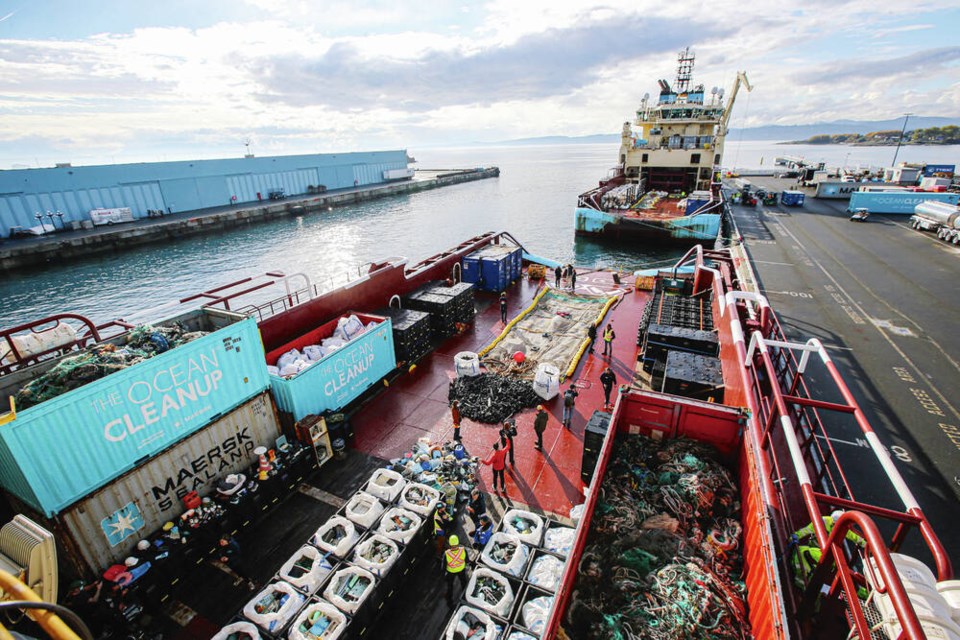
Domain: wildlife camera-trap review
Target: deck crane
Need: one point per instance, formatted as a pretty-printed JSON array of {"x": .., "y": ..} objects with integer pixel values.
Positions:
[{"x": 725, "y": 119}]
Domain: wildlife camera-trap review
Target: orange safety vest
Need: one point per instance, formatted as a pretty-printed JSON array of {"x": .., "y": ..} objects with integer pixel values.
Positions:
[{"x": 456, "y": 558}]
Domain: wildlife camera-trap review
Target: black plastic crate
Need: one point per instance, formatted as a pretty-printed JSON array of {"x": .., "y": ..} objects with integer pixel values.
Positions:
[
  {"x": 323, "y": 583},
  {"x": 693, "y": 376},
  {"x": 390, "y": 578},
  {"x": 666, "y": 337},
  {"x": 516, "y": 585},
  {"x": 315, "y": 600},
  {"x": 593, "y": 435}
]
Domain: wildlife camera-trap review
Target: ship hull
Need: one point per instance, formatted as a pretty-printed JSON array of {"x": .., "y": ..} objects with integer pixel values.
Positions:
[{"x": 679, "y": 230}]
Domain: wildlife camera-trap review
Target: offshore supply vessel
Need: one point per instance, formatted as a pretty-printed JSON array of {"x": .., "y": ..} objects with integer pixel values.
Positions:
[
  {"x": 198, "y": 414},
  {"x": 666, "y": 184}
]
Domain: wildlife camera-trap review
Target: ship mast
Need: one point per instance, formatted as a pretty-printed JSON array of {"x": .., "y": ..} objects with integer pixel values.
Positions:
[{"x": 685, "y": 61}]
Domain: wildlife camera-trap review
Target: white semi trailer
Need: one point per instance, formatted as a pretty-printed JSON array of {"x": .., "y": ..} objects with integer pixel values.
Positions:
[{"x": 938, "y": 217}]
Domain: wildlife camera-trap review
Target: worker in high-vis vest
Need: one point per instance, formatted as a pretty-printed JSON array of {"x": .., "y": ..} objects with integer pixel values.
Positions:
[
  {"x": 454, "y": 563},
  {"x": 806, "y": 553}
]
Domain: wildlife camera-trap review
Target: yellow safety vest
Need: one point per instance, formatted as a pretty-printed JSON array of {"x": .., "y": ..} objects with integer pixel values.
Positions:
[
  {"x": 456, "y": 559},
  {"x": 608, "y": 335}
]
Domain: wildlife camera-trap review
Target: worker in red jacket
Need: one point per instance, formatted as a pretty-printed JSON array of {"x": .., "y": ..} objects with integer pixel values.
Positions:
[{"x": 498, "y": 461}]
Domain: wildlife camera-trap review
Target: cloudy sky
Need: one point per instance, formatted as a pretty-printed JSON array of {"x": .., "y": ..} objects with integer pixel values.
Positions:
[{"x": 111, "y": 81}]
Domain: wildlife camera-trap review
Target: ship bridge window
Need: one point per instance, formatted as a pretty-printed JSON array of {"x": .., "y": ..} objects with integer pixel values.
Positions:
[
  {"x": 645, "y": 157},
  {"x": 716, "y": 159},
  {"x": 694, "y": 158}
]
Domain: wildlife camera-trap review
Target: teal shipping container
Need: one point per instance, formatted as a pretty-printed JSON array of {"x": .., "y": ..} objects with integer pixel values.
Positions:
[
  {"x": 54, "y": 453},
  {"x": 902, "y": 202},
  {"x": 333, "y": 381}
]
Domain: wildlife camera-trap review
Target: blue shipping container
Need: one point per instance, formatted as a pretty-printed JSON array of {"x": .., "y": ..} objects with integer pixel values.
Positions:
[
  {"x": 341, "y": 376},
  {"x": 56, "y": 452},
  {"x": 792, "y": 198},
  {"x": 896, "y": 201},
  {"x": 940, "y": 170},
  {"x": 493, "y": 267}
]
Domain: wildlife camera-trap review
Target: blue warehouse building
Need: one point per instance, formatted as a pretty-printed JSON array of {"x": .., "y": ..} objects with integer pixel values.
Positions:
[{"x": 180, "y": 186}]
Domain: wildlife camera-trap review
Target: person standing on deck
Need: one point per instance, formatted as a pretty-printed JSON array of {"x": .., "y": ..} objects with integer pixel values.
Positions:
[
  {"x": 607, "y": 379},
  {"x": 608, "y": 337},
  {"x": 503, "y": 308},
  {"x": 540, "y": 425},
  {"x": 477, "y": 507},
  {"x": 455, "y": 414},
  {"x": 557, "y": 273},
  {"x": 573, "y": 279},
  {"x": 569, "y": 400},
  {"x": 498, "y": 462},
  {"x": 454, "y": 563},
  {"x": 592, "y": 335},
  {"x": 507, "y": 433},
  {"x": 442, "y": 522},
  {"x": 230, "y": 557},
  {"x": 483, "y": 532}
]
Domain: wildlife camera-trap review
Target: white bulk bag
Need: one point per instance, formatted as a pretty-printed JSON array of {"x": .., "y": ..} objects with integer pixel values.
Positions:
[
  {"x": 483, "y": 600},
  {"x": 513, "y": 563},
  {"x": 306, "y": 569},
  {"x": 364, "y": 509},
  {"x": 376, "y": 554},
  {"x": 274, "y": 607},
  {"x": 313, "y": 352},
  {"x": 559, "y": 540},
  {"x": 348, "y": 588},
  {"x": 272, "y": 370},
  {"x": 319, "y": 619},
  {"x": 536, "y": 613},
  {"x": 467, "y": 618},
  {"x": 386, "y": 485},
  {"x": 545, "y": 572},
  {"x": 525, "y": 525},
  {"x": 419, "y": 498},
  {"x": 288, "y": 358},
  {"x": 399, "y": 524},
  {"x": 336, "y": 536},
  {"x": 348, "y": 328},
  {"x": 576, "y": 512},
  {"x": 516, "y": 634},
  {"x": 241, "y": 630}
]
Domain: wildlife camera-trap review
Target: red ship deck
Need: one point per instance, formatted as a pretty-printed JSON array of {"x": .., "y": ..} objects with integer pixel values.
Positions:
[
  {"x": 416, "y": 404},
  {"x": 664, "y": 209}
]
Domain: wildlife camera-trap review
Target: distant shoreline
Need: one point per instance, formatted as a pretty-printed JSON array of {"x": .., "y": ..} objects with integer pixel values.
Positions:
[{"x": 871, "y": 144}]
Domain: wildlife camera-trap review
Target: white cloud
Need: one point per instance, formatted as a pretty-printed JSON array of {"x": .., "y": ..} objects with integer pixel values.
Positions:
[{"x": 392, "y": 74}]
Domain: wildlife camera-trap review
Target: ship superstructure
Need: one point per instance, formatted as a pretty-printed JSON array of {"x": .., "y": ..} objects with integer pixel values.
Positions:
[{"x": 666, "y": 182}]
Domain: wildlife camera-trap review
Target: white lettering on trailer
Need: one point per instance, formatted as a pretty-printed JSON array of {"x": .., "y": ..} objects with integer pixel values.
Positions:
[
  {"x": 927, "y": 402},
  {"x": 952, "y": 432}
]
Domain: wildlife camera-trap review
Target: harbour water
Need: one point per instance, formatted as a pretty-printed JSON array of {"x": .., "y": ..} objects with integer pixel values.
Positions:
[{"x": 533, "y": 198}]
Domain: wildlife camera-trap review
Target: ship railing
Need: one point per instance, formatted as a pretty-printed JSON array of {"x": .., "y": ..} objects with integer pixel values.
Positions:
[
  {"x": 14, "y": 356},
  {"x": 786, "y": 418}
]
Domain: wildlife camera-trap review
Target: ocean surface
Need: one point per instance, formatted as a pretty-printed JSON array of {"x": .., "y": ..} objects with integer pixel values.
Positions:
[{"x": 533, "y": 199}]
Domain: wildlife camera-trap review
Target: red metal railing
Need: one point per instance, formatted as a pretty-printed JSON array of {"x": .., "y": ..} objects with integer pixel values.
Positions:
[
  {"x": 89, "y": 333},
  {"x": 782, "y": 408}
]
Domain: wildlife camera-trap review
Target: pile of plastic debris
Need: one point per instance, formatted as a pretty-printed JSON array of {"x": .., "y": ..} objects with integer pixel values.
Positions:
[
  {"x": 492, "y": 398},
  {"x": 101, "y": 360},
  {"x": 663, "y": 555},
  {"x": 445, "y": 467}
]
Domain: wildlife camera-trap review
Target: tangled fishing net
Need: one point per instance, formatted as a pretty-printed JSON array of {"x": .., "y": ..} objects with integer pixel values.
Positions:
[
  {"x": 491, "y": 398},
  {"x": 663, "y": 556},
  {"x": 101, "y": 360}
]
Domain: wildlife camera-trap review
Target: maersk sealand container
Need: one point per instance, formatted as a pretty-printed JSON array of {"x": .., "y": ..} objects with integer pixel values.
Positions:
[
  {"x": 902, "y": 202},
  {"x": 56, "y": 452}
]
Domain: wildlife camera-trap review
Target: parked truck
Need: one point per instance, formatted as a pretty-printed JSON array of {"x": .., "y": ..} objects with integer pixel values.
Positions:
[{"x": 938, "y": 217}]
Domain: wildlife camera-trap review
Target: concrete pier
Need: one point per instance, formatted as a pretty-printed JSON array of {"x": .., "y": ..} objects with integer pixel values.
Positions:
[{"x": 21, "y": 253}]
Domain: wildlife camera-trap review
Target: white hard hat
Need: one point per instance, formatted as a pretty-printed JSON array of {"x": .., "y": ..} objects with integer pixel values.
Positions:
[
  {"x": 836, "y": 514},
  {"x": 143, "y": 545},
  {"x": 131, "y": 561}
]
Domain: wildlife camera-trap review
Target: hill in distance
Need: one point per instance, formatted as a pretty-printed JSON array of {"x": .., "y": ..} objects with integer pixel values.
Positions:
[{"x": 770, "y": 132}]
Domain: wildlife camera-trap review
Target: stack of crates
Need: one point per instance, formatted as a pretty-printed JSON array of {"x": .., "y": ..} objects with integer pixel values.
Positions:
[
  {"x": 411, "y": 333},
  {"x": 676, "y": 333},
  {"x": 442, "y": 311},
  {"x": 462, "y": 295},
  {"x": 494, "y": 267}
]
